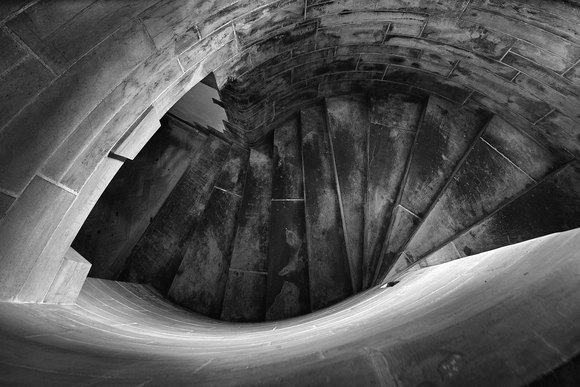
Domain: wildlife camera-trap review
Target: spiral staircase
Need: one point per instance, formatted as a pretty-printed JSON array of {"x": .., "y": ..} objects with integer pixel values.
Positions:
[
  {"x": 347, "y": 194},
  {"x": 394, "y": 200}
]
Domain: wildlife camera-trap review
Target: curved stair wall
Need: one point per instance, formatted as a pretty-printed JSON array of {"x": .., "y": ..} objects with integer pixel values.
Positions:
[{"x": 79, "y": 80}]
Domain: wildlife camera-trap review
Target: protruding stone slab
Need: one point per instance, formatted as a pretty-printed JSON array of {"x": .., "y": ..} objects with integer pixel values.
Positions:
[
  {"x": 329, "y": 274},
  {"x": 200, "y": 282},
  {"x": 138, "y": 134},
  {"x": 70, "y": 279}
]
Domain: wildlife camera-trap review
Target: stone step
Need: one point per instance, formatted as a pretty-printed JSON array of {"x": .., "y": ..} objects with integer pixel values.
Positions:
[
  {"x": 329, "y": 273},
  {"x": 550, "y": 206},
  {"x": 447, "y": 132},
  {"x": 158, "y": 254},
  {"x": 288, "y": 292},
  {"x": 493, "y": 174},
  {"x": 245, "y": 293},
  {"x": 199, "y": 283},
  {"x": 348, "y": 125},
  {"x": 394, "y": 123}
]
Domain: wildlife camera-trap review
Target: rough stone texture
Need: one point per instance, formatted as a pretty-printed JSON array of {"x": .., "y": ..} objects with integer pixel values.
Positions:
[
  {"x": 21, "y": 83},
  {"x": 287, "y": 181},
  {"x": 158, "y": 254},
  {"x": 234, "y": 172},
  {"x": 549, "y": 207},
  {"x": 92, "y": 81},
  {"x": 250, "y": 247},
  {"x": 329, "y": 275},
  {"x": 485, "y": 181},
  {"x": 12, "y": 52},
  {"x": 348, "y": 125},
  {"x": 60, "y": 35},
  {"x": 245, "y": 297},
  {"x": 395, "y": 121},
  {"x": 200, "y": 281},
  {"x": 524, "y": 152},
  {"x": 444, "y": 137},
  {"x": 404, "y": 222}
]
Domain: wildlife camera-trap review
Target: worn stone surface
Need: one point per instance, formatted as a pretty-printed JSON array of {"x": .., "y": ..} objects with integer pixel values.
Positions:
[
  {"x": 288, "y": 286},
  {"x": 328, "y": 267},
  {"x": 158, "y": 254},
  {"x": 287, "y": 180},
  {"x": 12, "y": 52},
  {"x": 556, "y": 46},
  {"x": 61, "y": 35},
  {"x": 395, "y": 120},
  {"x": 485, "y": 181},
  {"x": 250, "y": 247},
  {"x": 21, "y": 83},
  {"x": 520, "y": 149},
  {"x": 233, "y": 175},
  {"x": 245, "y": 297},
  {"x": 200, "y": 281},
  {"x": 348, "y": 124},
  {"x": 550, "y": 207},
  {"x": 404, "y": 222},
  {"x": 560, "y": 132},
  {"x": 445, "y": 135},
  {"x": 471, "y": 36}
]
